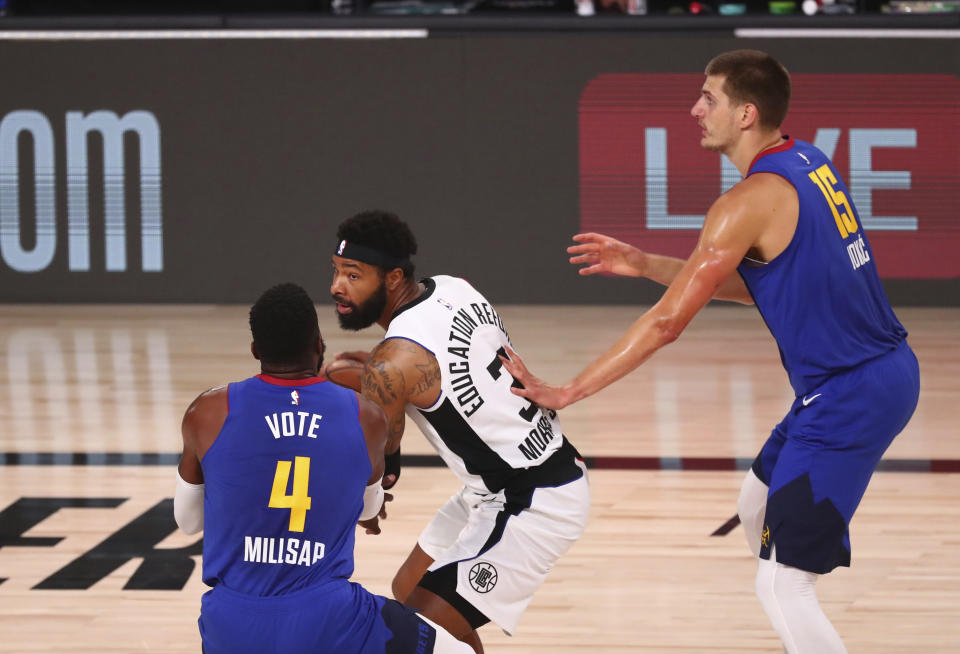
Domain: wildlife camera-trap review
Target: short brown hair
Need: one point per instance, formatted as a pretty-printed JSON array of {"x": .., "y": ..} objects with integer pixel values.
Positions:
[{"x": 755, "y": 77}]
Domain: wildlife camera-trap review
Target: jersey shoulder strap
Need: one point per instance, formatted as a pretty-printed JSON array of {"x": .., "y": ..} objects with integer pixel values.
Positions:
[{"x": 424, "y": 320}]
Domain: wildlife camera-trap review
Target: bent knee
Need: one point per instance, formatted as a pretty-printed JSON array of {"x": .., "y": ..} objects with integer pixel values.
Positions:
[
  {"x": 404, "y": 582},
  {"x": 400, "y": 587},
  {"x": 763, "y": 586},
  {"x": 410, "y": 573},
  {"x": 784, "y": 586}
]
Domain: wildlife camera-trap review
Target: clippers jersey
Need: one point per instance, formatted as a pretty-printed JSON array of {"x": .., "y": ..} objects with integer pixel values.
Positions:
[
  {"x": 486, "y": 435},
  {"x": 284, "y": 483},
  {"x": 821, "y": 297}
]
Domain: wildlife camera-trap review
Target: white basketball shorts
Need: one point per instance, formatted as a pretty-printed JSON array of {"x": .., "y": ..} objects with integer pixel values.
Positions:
[{"x": 492, "y": 552}]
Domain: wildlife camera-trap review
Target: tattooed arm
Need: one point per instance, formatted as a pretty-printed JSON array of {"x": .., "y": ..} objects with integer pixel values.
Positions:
[{"x": 400, "y": 372}]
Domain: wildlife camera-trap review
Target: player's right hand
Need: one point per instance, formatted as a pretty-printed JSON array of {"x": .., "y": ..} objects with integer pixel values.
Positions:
[
  {"x": 603, "y": 254},
  {"x": 372, "y": 526},
  {"x": 532, "y": 387}
]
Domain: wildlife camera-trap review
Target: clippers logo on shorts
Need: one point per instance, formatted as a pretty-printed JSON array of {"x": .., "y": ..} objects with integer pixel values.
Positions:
[
  {"x": 645, "y": 179},
  {"x": 483, "y": 577}
]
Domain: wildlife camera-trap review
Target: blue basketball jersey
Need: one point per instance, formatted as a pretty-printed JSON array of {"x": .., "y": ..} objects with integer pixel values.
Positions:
[
  {"x": 821, "y": 297},
  {"x": 284, "y": 483}
]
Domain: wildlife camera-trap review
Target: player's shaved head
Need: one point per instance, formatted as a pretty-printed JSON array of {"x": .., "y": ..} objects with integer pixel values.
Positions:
[
  {"x": 283, "y": 322},
  {"x": 752, "y": 76}
]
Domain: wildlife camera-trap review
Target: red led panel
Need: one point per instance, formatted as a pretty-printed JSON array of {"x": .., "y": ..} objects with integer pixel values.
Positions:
[{"x": 894, "y": 139}]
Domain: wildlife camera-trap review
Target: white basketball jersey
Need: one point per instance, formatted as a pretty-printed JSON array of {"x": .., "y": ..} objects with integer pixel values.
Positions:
[{"x": 485, "y": 433}]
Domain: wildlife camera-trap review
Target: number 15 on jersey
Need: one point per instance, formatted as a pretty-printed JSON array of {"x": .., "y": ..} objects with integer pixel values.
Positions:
[{"x": 843, "y": 214}]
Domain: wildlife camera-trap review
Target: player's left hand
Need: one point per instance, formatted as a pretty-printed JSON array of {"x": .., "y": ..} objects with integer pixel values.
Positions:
[
  {"x": 598, "y": 253},
  {"x": 532, "y": 387},
  {"x": 372, "y": 526}
]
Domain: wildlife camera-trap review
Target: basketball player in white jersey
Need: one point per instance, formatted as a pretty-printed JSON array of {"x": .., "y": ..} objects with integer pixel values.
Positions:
[{"x": 525, "y": 498}]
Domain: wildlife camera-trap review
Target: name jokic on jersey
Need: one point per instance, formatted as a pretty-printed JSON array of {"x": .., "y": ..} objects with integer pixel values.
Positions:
[{"x": 857, "y": 251}]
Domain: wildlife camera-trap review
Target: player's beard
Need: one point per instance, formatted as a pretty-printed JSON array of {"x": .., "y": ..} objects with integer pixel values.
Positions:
[
  {"x": 365, "y": 314},
  {"x": 719, "y": 141},
  {"x": 712, "y": 147},
  {"x": 710, "y": 143}
]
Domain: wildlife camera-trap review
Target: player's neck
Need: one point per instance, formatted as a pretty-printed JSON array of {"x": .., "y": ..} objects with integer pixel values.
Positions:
[
  {"x": 750, "y": 146},
  {"x": 298, "y": 371},
  {"x": 407, "y": 293}
]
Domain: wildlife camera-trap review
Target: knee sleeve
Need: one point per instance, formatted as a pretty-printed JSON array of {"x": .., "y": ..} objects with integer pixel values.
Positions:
[
  {"x": 789, "y": 599},
  {"x": 751, "y": 507}
]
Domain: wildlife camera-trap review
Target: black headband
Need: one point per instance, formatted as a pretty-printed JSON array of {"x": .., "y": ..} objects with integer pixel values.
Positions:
[{"x": 370, "y": 255}]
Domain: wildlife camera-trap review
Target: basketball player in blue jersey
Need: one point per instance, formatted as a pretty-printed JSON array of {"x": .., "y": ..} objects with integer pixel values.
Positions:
[
  {"x": 277, "y": 470},
  {"x": 788, "y": 239},
  {"x": 525, "y": 498}
]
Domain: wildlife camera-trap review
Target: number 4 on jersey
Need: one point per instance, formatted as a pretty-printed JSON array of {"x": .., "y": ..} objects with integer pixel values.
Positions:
[{"x": 298, "y": 502}]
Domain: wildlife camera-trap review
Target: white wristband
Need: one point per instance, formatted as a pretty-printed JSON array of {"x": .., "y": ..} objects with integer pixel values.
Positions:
[
  {"x": 372, "y": 500},
  {"x": 188, "y": 506}
]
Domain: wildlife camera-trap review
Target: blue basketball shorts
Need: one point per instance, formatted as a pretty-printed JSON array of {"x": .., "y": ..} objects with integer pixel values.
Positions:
[
  {"x": 819, "y": 459},
  {"x": 338, "y": 617}
]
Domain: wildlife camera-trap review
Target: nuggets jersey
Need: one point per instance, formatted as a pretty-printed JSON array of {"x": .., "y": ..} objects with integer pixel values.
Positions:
[
  {"x": 284, "y": 483},
  {"x": 486, "y": 435},
  {"x": 821, "y": 297}
]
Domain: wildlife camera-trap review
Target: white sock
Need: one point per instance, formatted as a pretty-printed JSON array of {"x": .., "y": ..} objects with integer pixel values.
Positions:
[
  {"x": 790, "y": 601},
  {"x": 751, "y": 507}
]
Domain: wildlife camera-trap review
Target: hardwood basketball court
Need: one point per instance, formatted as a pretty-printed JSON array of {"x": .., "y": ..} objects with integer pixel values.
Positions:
[{"x": 91, "y": 399}]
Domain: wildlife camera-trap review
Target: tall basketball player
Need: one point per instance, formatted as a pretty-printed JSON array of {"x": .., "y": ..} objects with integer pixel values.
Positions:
[
  {"x": 525, "y": 498},
  {"x": 278, "y": 469},
  {"x": 791, "y": 233}
]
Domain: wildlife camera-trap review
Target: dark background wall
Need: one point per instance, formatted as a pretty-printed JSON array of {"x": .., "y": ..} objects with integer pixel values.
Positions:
[{"x": 475, "y": 139}]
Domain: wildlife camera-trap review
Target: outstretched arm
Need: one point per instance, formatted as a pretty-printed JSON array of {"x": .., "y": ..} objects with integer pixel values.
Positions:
[
  {"x": 733, "y": 224},
  {"x": 603, "y": 254}
]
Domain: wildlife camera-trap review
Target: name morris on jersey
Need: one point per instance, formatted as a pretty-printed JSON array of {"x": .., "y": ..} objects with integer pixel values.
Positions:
[
  {"x": 536, "y": 443},
  {"x": 462, "y": 327}
]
